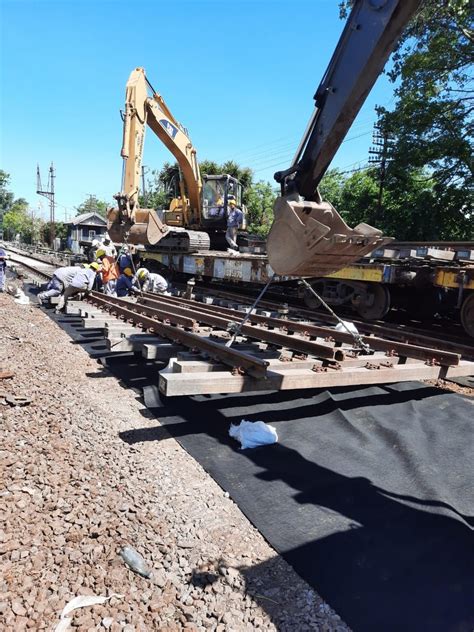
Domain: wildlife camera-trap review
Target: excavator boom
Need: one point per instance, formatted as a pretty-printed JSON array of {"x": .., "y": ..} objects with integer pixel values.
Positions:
[
  {"x": 129, "y": 222},
  {"x": 308, "y": 236}
]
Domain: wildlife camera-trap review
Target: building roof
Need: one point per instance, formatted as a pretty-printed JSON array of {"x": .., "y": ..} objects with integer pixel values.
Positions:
[{"x": 91, "y": 219}]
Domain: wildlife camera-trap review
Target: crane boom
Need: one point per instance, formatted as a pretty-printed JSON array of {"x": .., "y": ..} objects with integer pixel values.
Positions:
[{"x": 368, "y": 38}]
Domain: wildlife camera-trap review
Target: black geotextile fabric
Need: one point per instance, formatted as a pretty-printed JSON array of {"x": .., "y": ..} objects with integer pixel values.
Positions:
[{"x": 368, "y": 493}]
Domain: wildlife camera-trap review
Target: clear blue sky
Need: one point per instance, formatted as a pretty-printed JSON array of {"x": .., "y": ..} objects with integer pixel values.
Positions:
[{"x": 240, "y": 75}]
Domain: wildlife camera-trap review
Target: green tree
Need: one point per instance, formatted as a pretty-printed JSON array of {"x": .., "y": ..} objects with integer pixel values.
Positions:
[
  {"x": 429, "y": 190},
  {"x": 6, "y": 196},
  {"x": 92, "y": 205},
  {"x": 16, "y": 220},
  {"x": 331, "y": 187},
  {"x": 260, "y": 200}
]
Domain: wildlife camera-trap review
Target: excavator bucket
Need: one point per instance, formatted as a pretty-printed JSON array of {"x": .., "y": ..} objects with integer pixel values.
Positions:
[
  {"x": 147, "y": 228},
  {"x": 310, "y": 239}
]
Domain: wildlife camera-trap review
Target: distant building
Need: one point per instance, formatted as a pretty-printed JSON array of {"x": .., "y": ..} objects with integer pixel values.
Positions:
[{"x": 83, "y": 229}]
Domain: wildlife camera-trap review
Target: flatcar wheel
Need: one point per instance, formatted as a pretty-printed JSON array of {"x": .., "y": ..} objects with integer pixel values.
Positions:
[
  {"x": 310, "y": 299},
  {"x": 467, "y": 314},
  {"x": 376, "y": 305}
]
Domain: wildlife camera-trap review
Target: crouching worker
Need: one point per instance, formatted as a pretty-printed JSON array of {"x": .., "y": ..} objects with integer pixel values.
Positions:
[
  {"x": 146, "y": 281},
  {"x": 62, "y": 277},
  {"x": 81, "y": 283},
  {"x": 124, "y": 285}
]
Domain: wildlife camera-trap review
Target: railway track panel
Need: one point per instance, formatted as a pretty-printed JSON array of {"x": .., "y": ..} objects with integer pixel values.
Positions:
[{"x": 269, "y": 354}]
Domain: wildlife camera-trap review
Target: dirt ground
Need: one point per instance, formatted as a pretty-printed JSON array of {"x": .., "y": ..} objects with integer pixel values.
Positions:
[
  {"x": 451, "y": 386},
  {"x": 74, "y": 493}
]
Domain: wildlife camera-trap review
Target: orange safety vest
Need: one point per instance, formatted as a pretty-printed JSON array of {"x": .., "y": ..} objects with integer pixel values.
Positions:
[{"x": 110, "y": 270}]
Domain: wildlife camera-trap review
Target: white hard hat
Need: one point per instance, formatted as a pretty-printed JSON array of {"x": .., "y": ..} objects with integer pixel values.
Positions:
[{"x": 95, "y": 243}]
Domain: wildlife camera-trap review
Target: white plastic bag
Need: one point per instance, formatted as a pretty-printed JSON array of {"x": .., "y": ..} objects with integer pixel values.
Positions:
[
  {"x": 348, "y": 326},
  {"x": 21, "y": 298},
  {"x": 253, "y": 433},
  {"x": 82, "y": 601}
]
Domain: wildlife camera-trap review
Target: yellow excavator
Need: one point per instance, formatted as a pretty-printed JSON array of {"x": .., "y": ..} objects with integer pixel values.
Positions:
[
  {"x": 308, "y": 237},
  {"x": 198, "y": 211}
]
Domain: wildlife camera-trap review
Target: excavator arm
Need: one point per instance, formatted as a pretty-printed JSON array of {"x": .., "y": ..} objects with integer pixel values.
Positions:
[
  {"x": 129, "y": 222},
  {"x": 308, "y": 236}
]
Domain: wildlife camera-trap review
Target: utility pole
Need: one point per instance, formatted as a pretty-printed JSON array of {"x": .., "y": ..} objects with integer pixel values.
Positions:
[
  {"x": 48, "y": 193},
  {"x": 380, "y": 158}
]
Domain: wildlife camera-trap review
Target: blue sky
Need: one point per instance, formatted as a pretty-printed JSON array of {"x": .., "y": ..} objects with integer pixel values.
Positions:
[{"x": 239, "y": 75}]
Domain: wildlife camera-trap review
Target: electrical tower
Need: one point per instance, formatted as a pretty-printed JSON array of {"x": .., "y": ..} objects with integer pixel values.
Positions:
[
  {"x": 380, "y": 158},
  {"x": 48, "y": 193}
]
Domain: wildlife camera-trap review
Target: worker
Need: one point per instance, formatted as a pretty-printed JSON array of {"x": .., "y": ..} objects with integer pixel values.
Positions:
[
  {"x": 234, "y": 220},
  {"x": 3, "y": 269},
  {"x": 124, "y": 286},
  {"x": 109, "y": 271},
  {"x": 59, "y": 282},
  {"x": 146, "y": 281},
  {"x": 124, "y": 259},
  {"x": 107, "y": 245},
  {"x": 217, "y": 209},
  {"x": 83, "y": 281},
  {"x": 92, "y": 250}
]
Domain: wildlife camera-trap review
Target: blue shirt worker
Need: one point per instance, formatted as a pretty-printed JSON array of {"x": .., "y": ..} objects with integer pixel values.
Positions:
[
  {"x": 124, "y": 286},
  {"x": 234, "y": 220},
  {"x": 3, "y": 268},
  {"x": 124, "y": 259}
]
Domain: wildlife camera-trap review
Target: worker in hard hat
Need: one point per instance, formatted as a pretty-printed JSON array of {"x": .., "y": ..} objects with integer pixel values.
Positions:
[
  {"x": 109, "y": 271},
  {"x": 92, "y": 250},
  {"x": 107, "y": 245},
  {"x": 60, "y": 280},
  {"x": 146, "y": 281},
  {"x": 124, "y": 286},
  {"x": 124, "y": 259},
  {"x": 82, "y": 282},
  {"x": 234, "y": 221}
]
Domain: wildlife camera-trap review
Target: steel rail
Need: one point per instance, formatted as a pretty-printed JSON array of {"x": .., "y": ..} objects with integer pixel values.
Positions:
[
  {"x": 31, "y": 267},
  {"x": 239, "y": 360},
  {"x": 163, "y": 315},
  {"x": 394, "y": 331},
  {"x": 326, "y": 351},
  {"x": 379, "y": 344}
]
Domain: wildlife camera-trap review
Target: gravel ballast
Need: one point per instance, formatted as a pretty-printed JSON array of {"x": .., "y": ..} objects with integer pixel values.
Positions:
[{"x": 74, "y": 494}]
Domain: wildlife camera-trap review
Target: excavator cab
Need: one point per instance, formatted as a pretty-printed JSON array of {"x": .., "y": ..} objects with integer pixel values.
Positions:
[{"x": 217, "y": 191}]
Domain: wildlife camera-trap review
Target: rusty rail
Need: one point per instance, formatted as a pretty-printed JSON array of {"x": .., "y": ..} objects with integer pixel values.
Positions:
[
  {"x": 255, "y": 367},
  {"x": 444, "y": 358}
]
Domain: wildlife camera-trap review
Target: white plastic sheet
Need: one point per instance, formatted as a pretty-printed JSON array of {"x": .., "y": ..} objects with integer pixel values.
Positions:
[
  {"x": 82, "y": 601},
  {"x": 348, "y": 326},
  {"x": 252, "y": 434},
  {"x": 21, "y": 298}
]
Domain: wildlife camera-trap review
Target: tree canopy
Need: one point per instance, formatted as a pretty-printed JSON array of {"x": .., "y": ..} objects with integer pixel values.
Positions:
[
  {"x": 430, "y": 169},
  {"x": 92, "y": 204},
  {"x": 16, "y": 218}
]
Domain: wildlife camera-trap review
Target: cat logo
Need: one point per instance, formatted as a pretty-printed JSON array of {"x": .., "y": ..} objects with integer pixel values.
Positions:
[{"x": 169, "y": 127}]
